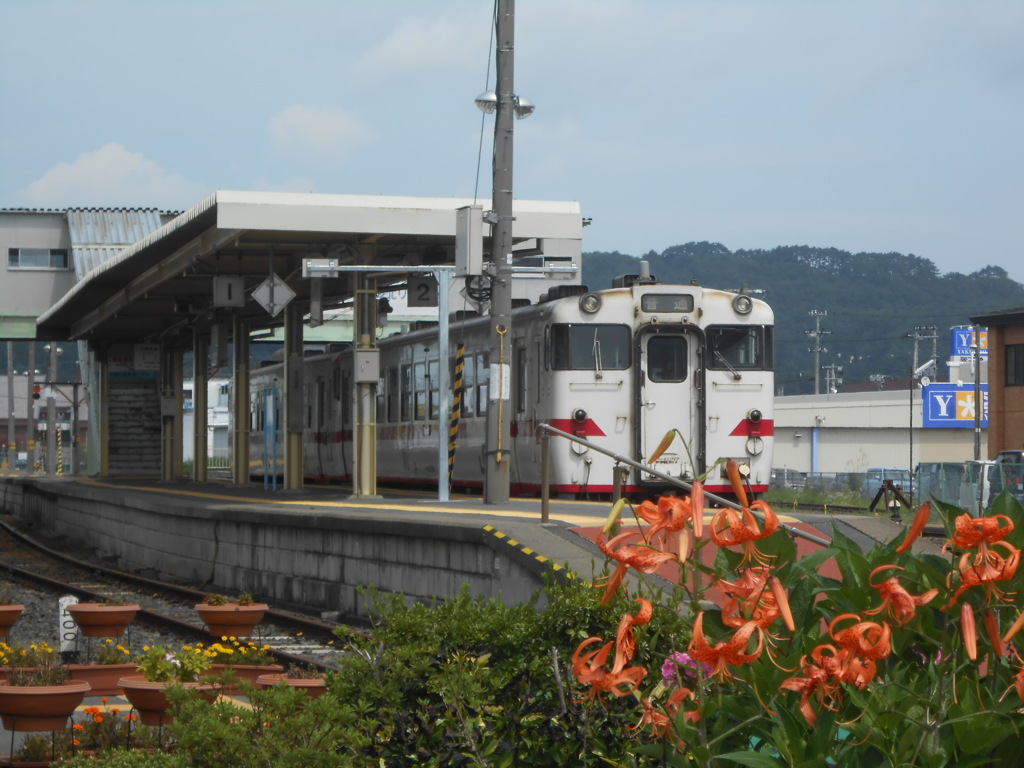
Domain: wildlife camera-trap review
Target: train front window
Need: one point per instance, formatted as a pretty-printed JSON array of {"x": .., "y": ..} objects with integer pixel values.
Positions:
[
  {"x": 740, "y": 347},
  {"x": 589, "y": 347},
  {"x": 666, "y": 358}
]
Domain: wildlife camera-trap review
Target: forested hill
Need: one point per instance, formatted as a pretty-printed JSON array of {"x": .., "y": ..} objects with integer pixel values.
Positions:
[{"x": 874, "y": 301}]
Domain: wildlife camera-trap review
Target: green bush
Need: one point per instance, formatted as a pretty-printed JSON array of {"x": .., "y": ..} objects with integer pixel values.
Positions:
[{"x": 471, "y": 682}]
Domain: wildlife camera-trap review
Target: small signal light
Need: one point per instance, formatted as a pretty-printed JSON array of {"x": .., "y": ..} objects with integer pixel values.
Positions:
[{"x": 36, "y": 392}]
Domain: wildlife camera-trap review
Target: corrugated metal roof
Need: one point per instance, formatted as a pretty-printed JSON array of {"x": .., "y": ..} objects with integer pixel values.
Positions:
[
  {"x": 100, "y": 234},
  {"x": 104, "y": 226},
  {"x": 88, "y": 257}
]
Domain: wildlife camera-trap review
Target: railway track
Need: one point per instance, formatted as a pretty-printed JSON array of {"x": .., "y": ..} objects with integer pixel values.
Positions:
[{"x": 166, "y": 609}]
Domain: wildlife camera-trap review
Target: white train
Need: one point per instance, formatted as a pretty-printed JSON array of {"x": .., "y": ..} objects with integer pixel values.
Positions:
[{"x": 619, "y": 367}]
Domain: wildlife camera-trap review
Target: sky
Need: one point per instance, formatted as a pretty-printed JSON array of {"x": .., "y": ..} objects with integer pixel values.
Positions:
[{"x": 869, "y": 126}]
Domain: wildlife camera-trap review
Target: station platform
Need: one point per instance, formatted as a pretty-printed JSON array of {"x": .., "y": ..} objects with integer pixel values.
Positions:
[{"x": 566, "y": 540}]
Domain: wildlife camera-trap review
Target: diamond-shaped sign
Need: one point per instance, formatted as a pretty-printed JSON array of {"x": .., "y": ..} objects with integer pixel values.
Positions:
[{"x": 273, "y": 294}]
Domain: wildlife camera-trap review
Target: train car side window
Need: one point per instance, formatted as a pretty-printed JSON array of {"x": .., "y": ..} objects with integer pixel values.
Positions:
[
  {"x": 483, "y": 377},
  {"x": 468, "y": 386},
  {"x": 336, "y": 382},
  {"x": 433, "y": 377},
  {"x": 392, "y": 393},
  {"x": 419, "y": 375},
  {"x": 740, "y": 347},
  {"x": 666, "y": 358},
  {"x": 406, "y": 393},
  {"x": 344, "y": 414},
  {"x": 589, "y": 347},
  {"x": 521, "y": 379}
]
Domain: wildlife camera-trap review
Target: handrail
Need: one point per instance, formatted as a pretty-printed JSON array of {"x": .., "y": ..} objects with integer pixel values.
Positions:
[{"x": 545, "y": 491}]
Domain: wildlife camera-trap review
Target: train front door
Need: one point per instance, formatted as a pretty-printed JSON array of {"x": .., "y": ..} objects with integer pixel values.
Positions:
[{"x": 667, "y": 395}]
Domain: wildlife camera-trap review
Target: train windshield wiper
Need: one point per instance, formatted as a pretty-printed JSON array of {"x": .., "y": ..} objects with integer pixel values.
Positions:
[
  {"x": 735, "y": 374},
  {"x": 597, "y": 356}
]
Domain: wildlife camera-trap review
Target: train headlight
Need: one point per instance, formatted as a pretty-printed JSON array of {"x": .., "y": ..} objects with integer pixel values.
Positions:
[
  {"x": 742, "y": 304},
  {"x": 754, "y": 415},
  {"x": 590, "y": 303},
  {"x": 579, "y": 416}
]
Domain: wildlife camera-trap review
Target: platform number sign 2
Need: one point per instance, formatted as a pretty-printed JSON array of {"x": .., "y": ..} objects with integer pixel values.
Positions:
[{"x": 422, "y": 291}]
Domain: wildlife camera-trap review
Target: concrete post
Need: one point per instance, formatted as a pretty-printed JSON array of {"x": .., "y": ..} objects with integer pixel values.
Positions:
[{"x": 240, "y": 401}]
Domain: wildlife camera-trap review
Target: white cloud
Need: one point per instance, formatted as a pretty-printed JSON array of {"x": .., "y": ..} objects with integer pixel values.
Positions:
[
  {"x": 317, "y": 135},
  {"x": 111, "y": 176},
  {"x": 417, "y": 45}
]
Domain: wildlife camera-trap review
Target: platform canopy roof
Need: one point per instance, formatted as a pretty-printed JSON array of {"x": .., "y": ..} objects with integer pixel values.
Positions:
[{"x": 163, "y": 285}]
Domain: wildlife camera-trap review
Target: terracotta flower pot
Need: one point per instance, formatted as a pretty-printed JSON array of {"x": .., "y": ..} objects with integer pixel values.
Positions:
[
  {"x": 231, "y": 619},
  {"x": 40, "y": 707},
  {"x": 103, "y": 678},
  {"x": 150, "y": 699},
  {"x": 102, "y": 620},
  {"x": 9, "y": 614},
  {"x": 314, "y": 687},
  {"x": 244, "y": 672}
]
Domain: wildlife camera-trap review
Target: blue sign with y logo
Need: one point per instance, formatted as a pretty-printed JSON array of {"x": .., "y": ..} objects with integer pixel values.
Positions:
[
  {"x": 952, "y": 405},
  {"x": 961, "y": 342}
]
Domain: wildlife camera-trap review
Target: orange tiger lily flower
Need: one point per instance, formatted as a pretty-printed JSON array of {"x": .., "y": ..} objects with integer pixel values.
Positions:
[
  {"x": 970, "y": 532},
  {"x": 916, "y": 528},
  {"x": 755, "y": 596},
  {"x": 625, "y": 640},
  {"x": 820, "y": 681},
  {"x": 730, "y": 527},
  {"x": 662, "y": 720},
  {"x": 728, "y": 652},
  {"x": 644, "y": 558},
  {"x": 986, "y": 567},
  {"x": 590, "y": 670},
  {"x": 869, "y": 639},
  {"x": 670, "y": 514},
  {"x": 901, "y": 604}
]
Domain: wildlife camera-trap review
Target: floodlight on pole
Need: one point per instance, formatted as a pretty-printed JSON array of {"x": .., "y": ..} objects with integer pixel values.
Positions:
[
  {"x": 487, "y": 102},
  {"x": 524, "y": 108}
]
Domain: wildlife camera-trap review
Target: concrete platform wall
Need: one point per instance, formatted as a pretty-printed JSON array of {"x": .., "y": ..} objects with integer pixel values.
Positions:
[{"x": 290, "y": 556}]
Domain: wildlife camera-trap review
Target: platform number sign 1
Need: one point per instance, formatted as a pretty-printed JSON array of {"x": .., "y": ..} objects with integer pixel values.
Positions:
[{"x": 422, "y": 291}]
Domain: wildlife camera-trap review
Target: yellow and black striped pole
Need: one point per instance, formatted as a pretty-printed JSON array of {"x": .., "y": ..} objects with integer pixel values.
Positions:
[
  {"x": 453, "y": 423},
  {"x": 60, "y": 452}
]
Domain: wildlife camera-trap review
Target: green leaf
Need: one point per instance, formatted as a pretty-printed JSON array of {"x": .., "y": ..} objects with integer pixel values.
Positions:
[{"x": 751, "y": 758}]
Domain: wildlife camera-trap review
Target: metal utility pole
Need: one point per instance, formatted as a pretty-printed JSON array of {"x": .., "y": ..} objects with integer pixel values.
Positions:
[
  {"x": 920, "y": 334},
  {"x": 833, "y": 377},
  {"x": 12, "y": 443},
  {"x": 976, "y": 349},
  {"x": 51, "y": 409},
  {"x": 817, "y": 349},
  {"x": 30, "y": 416},
  {"x": 915, "y": 376},
  {"x": 499, "y": 417}
]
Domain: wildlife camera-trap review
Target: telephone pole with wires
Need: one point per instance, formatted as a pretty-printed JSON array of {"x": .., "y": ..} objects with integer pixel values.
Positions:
[{"x": 817, "y": 349}]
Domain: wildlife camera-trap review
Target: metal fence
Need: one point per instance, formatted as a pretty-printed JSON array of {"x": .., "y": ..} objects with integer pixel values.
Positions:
[{"x": 865, "y": 484}]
